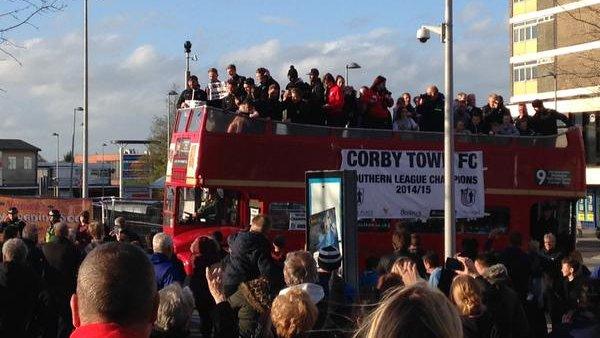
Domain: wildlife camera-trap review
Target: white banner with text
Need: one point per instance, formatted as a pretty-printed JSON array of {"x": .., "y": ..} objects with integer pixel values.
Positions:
[{"x": 410, "y": 183}]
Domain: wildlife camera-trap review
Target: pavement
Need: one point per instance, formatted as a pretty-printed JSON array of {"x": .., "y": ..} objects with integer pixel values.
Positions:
[{"x": 589, "y": 246}]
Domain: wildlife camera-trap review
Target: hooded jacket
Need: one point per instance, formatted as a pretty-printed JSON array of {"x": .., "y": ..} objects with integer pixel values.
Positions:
[{"x": 250, "y": 257}]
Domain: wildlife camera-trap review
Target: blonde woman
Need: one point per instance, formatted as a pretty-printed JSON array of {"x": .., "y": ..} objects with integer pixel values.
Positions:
[
  {"x": 466, "y": 295},
  {"x": 415, "y": 310},
  {"x": 293, "y": 314}
]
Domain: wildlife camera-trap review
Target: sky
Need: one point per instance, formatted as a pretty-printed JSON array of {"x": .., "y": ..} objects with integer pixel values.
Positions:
[{"x": 136, "y": 55}]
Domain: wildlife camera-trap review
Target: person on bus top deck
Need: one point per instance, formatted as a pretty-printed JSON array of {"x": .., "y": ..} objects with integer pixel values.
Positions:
[
  {"x": 299, "y": 110},
  {"x": 13, "y": 219},
  {"x": 230, "y": 102},
  {"x": 316, "y": 94},
  {"x": 377, "y": 101},
  {"x": 264, "y": 80},
  {"x": 272, "y": 108},
  {"x": 334, "y": 106},
  {"x": 193, "y": 92},
  {"x": 544, "y": 119},
  {"x": 431, "y": 109},
  {"x": 241, "y": 120},
  {"x": 214, "y": 89},
  {"x": 237, "y": 79},
  {"x": 250, "y": 91}
]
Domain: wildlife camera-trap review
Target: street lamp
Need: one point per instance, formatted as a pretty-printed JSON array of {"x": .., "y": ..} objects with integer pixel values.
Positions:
[
  {"x": 102, "y": 169},
  {"x": 423, "y": 34},
  {"x": 75, "y": 110},
  {"x": 187, "y": 47},
  {"x": 170, "y": 94},
  {"x": 351, "y": 65},
  {"x": 57, "y": 161},
  {"x": 84, "y": 167}
]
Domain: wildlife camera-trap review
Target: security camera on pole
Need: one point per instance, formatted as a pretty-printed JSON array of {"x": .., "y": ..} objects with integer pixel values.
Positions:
[{"x": 423, "y": 34}]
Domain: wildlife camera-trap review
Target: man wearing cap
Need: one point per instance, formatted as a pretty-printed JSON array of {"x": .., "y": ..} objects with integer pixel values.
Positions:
[
  {"x": 316, "y": 95},
  {"x": 13, "y": 219},
  {"x": 193, "y": 92},
  {"x": 544, "y": 119}
]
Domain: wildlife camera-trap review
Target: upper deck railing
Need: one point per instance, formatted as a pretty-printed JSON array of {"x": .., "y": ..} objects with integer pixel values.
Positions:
[{"x": 215, "y": 120}]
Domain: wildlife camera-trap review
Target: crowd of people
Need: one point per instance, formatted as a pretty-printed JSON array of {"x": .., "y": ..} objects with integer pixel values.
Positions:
[
  {"x": 329, "y": 101},
  {"x": 98, "y": 281}
]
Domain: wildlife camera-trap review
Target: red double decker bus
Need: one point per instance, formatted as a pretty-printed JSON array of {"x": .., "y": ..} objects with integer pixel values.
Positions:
[{"x": 218, "y": 180}]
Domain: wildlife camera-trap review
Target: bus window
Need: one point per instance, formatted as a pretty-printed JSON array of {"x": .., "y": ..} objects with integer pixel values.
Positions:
[
  {"x": 208, "y": 206},
  {"x": 169, "y": 199},
  {"x": 287, "y": 216},
  {"x": 496, "y": 218},
  {"x": 218, "y": 121},
  {"x": 183, "y": 117},
  {"x": 195, "y": 121}
]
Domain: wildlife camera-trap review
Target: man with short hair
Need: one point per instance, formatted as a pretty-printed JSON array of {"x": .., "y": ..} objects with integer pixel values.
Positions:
[
  {"x": 250, "y": 256},
  {"x": 544, "y": 119},
  {"x": 316, "y": 94},
  {"x": 192, "y": 92},
  {"x": 517, "y": 264},
  {"x": 116, "y": 294},
  {"x": 215, "y": 89},
  {"x": 123, "y": 233},
  {"x": 61, "y": 274},
  {"x": 264, "y": 80},
  {"x": 166, "y": 271},
  {"x": 35, "y": 256},
  {"x": 431, "y": 109},
  {"x": 431, "y": 261},
  {"x": 237, "y": 79},
  {"x": 13, "y": 219},
  {"x": 461, "y": 111}
]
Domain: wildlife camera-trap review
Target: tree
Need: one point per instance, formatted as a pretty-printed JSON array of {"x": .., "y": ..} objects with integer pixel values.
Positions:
[
  {"x": 157, "y": 149},
  {"x": 68, "y": 157},
  {"x": 21, "y": 13}
]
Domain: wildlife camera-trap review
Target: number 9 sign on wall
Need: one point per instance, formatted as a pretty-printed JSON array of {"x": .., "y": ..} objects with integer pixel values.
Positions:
[{"x": 410, "y": 183}]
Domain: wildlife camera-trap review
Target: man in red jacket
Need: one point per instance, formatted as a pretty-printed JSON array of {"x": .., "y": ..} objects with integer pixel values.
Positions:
[{"x": 116, "y": 294}]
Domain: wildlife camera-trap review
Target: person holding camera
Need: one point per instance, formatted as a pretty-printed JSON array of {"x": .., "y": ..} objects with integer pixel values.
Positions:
[{"x": 377, "y": 100}]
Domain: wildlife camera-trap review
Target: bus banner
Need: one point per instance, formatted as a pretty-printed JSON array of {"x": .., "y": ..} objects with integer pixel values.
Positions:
[{"x": 410, "y": 183}]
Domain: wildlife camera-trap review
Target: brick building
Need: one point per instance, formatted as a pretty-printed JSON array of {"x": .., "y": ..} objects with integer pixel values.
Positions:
[{"x": 555, "y": 57}]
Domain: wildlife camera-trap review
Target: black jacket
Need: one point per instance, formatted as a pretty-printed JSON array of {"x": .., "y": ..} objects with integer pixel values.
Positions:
[
  {"x": 432, "y": 114},
  {"x": 249, "y": 258},
  {"x": 519, "y": 269},
  {"x": 316, "y": 95},
  {"x": 262, "y": 88},
  {"x": 20, "y": 289},
  {"x": 544, "y": 122},
  {"x": 199, "y": 94},
  {"x": 35, "y": 257},
  {"x": 18, "y": 223},
  {"x": 506, "y": 310},
  {"x": 271, "y": 108},
  {"x": 481, "y": 326},
  {"x": 61, "y": 272},
  {"x": 493, "y": 115},
  {"x": 304, "y": 112}
]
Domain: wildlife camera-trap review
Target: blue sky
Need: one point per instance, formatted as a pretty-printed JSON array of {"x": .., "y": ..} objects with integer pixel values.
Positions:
[{"x": 136, "y": 54}]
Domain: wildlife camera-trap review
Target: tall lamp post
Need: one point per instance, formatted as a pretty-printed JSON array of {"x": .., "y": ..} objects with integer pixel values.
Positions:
[
  {"x": 171, "y": 94},
  {"x": 187, "y": 47},
  {"x": 423, "y": 34},
  {"x": 84, "y": 169},
  {"x": 75, "y": 110},
  {"x": 102, "y": 169},
  {"x": 57, "y": 161},
  {"x": 351, "y": 65}
]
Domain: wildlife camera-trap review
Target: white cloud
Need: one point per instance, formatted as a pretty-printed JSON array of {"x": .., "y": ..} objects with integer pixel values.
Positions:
[
  {"x": 277, "y": 20},
  {"x": 126, "y": 88}
]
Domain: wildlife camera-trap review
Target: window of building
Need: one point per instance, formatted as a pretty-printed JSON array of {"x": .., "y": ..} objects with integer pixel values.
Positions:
[
  {"x": 12, "y": 163},
  {"x": 525, "y": 71},
  {"x": 525, "y": 32},
  {"x": 27, "y": 163}
]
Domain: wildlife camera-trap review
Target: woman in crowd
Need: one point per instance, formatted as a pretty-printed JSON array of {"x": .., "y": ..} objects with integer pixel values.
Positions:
[
  {"x": 205, "y": 253},
  {"x": 377, "y": 100},
  {"x": 467, "y": 296},
  {"x": 293, "y": 314},
  {"x": 404, "y": 122},
  {"x": 252, "y": 303},
  {"x": 334, "y": 103},
  {"x": 413, "y": 311},
  {"x": 175, "y": 308}
]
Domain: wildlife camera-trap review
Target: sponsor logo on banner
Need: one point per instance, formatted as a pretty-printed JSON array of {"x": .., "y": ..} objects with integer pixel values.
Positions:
[{"x": 410, "y": 183}]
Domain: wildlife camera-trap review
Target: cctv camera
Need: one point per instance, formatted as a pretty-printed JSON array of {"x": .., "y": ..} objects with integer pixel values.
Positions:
[{"x": 423, "y": 34}]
